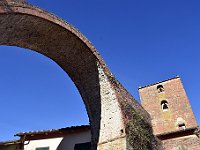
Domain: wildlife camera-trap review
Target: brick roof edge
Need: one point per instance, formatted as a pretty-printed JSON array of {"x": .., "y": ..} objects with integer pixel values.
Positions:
[
  {"x": 176, "y": 77},
  {"x": 83, "y": 127}
]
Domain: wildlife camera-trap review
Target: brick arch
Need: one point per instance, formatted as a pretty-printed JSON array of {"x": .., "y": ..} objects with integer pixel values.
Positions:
[{"x": 109, "y": 106}]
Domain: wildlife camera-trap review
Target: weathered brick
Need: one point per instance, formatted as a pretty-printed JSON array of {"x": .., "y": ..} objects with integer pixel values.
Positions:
[
  {"x": 111, "y": 109},
  {"x": 175, "y": 125}
]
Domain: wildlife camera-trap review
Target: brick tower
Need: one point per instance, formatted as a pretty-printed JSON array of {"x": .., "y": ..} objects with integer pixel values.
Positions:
[
  {"x": 172, "y": 118},
  {"x": 168, "y": 105}
]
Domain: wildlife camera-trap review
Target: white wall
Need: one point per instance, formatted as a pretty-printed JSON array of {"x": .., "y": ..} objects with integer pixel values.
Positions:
[
  {"x": 62, "y": 143},
  {"x": 69, "y": 141},
  {"x": 52, "y": 143}
]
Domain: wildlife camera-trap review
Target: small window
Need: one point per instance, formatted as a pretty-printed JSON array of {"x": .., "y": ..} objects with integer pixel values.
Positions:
[
  {"x": 181, "y": 123},
  {"x": 42, "y": 148},
  {"x": 182, "y": 126},
  {"x": 160, "y": 88},
  {"x": 164, "y": 105}
]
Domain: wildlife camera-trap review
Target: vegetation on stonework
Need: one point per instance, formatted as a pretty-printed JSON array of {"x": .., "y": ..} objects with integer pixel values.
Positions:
[
  {"x": 197, "y": 132},
  {"x": 139, "y": 131}
]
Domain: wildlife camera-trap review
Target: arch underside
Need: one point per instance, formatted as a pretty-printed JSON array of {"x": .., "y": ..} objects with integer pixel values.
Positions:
[
  {"x": 61, "y": 46},
  {"x": 105, "y": 98}
]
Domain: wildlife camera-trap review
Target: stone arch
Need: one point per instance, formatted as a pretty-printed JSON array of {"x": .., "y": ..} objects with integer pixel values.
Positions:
[{"x": 112, "y": 111}]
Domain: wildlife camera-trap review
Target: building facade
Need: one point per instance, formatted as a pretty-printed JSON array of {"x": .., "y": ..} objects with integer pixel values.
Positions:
[
  {"x": 173, "y": 120},
  {"x": 70, "y": 138}
]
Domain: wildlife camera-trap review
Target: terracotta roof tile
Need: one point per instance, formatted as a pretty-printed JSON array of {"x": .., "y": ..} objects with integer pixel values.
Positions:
[{"x": 53, "y": 130}]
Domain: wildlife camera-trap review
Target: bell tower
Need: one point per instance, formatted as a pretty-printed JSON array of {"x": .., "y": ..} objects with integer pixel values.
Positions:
[{"x": 168, "y": 106}]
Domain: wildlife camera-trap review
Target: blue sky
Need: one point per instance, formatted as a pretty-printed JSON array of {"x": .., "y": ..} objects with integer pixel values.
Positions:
[{"x": 142, "y": 42}]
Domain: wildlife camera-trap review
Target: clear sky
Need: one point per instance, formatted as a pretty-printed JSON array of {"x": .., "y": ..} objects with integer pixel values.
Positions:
[{"x": 141, "y": 41}]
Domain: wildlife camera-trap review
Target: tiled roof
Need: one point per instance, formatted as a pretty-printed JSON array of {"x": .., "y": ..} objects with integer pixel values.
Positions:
[
  {"x": 158, "y": 82},
  {"x": 82, "y": 127},
  {"x": 9, "y": 142}
]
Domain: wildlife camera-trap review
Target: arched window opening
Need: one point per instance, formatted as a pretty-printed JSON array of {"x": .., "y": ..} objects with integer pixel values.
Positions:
[
  {"x": 181, "y": 123},
  {"x": 164, "y": 105},
  {"x": 160, "y": 88}
]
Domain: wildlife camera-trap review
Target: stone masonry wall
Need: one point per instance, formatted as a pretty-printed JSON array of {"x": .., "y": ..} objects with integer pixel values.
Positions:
[{"x": 191, "y": 142}]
